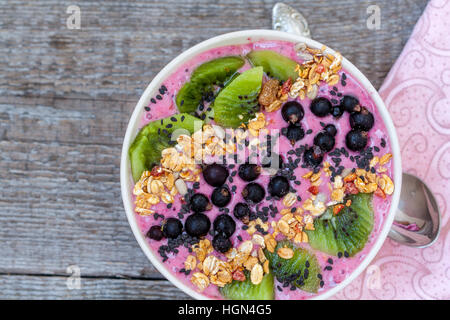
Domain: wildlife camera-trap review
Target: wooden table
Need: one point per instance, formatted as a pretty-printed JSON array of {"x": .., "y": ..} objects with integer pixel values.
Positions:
[{"x": 65, "y": 100}]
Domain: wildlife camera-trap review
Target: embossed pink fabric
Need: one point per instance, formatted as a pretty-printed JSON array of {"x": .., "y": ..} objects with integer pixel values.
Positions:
[{"x": 417, "y": 94}]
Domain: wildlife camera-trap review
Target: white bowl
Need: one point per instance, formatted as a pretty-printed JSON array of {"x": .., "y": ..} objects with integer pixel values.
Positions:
[{"x": 242, "y": 37}]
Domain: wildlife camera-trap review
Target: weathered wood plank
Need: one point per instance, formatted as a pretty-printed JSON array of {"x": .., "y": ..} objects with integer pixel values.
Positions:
[
  {"x": 35, "y": 287},
  {"x": 61, "y": 205},
  {"x": 120, "y": 47},
  {"x": 61, "y": 120}
]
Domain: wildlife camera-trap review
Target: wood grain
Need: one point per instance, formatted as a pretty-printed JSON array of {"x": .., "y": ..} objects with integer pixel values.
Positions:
[
  {"x": 55, "y": 287},
  {"x": 65, "y": 100}
]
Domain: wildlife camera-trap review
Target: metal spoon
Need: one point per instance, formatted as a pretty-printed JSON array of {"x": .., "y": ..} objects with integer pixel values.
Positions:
[{"x": 417, "y": 220}]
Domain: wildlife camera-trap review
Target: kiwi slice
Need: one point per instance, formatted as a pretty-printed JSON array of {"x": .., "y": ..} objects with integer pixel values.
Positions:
[
  {"x": 216, "y": 71},
  {"x": 189, "y": 96},
  {"x": 346, "y": 232},
  {"x": 238, "y": 102},
  {"x": 275, "y": 65},
  {"x": 301, "y": 270},
  {"x": 246, "y": 290},
  {"x": 203, "y": 78},
  {"x": 145, "y": 151}
]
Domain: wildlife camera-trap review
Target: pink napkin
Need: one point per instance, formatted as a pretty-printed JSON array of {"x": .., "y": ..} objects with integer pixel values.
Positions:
[{"x": 417, "y": 94}]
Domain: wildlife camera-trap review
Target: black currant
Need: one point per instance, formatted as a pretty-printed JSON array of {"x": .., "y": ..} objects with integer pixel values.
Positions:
[
  {"x": 172, "y": 228},
  {"x": 221, "y": 196},
  {"x": 292, "y": 112},
  {"x": 241, "y": 212},
  {"x": 325, "y": 141},
  {"x": 253, "y": 192},
  {"x": 215, "y": 174},
  {"x": 249, "y": 172},
  {"x": 320, "y": 107},
  {"x": 278, "y": 186},
  {"x": 356, "y": 140},
  {"x": 330, "y": 129},
  {"x": 294, "y": 133},
  {"x": 155, "y": 233},
  {"x": 362, "y": 120},
  {"x": 350, "y": 104},
  {"x": 200, "y": 203},
  {"x": 197, "y": 225},
  {"x": 224, "y": 224},
  {"x": 221, "y": 243},
  {"x": 313, "y": 156}
]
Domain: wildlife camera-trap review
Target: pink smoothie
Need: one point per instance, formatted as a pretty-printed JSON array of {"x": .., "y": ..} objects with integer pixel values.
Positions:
[{"x": 341, "y": 268}]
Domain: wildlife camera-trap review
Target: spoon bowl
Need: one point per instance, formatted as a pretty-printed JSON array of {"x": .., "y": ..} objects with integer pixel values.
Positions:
[{"x": 417, "y": 221}]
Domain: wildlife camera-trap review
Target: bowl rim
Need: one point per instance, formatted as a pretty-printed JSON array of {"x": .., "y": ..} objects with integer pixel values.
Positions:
[{"x": 241, "y": 37}]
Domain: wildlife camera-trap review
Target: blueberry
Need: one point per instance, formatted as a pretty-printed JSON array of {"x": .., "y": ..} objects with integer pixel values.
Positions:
[
  {"x": 362, "y": 120},
  {"x": 200, "y": 203},
  {"x": 356, "y": 140},
  {"x": 292, "y": 112},
  {"x": 324, "y": 141},
  {"x": 241, "y": 212},
  {"x": 215, "y": 174},
  {"x": 197, "y": 225},
  {"x": 294, "y": 133},
  {"x": 221, "y": 196},
  {"x": 320, "y": 107},
  {"x": 225, "y": 225},
  {"x": 221, "y": 243},
  {"x": 249, "y": 172},
  {"x": 330, "y": 129},
  {"x": 337, "y": 111},
  {"x": 172, "y": 228},
  {"x": 275, "y": 161},
  {"x": 350, "y": 104},
  {"x": 313, "y": 156},
  {"x": 278, "y": 186},
  {"x": 253, "y": 192},
  {"x": 155, "y": 233}
]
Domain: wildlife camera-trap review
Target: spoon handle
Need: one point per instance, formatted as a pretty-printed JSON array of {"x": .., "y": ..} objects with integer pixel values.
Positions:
[{"x": 287, "y": 19}]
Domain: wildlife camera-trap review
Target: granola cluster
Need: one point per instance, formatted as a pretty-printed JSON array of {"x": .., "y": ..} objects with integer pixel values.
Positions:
[
  {"x": 153, "y": 187},
  {"x": 209, "y": 269},
  {"x": 317, "y": 66},
  {"x": 373, "y": 181}
]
